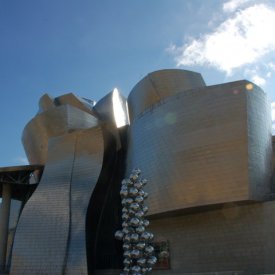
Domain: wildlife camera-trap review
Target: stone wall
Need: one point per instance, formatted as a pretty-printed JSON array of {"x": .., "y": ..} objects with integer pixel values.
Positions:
[{"x": 233, "y": 238}]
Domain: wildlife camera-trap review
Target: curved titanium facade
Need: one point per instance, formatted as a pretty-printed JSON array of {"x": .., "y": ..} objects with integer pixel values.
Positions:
[
  {"x": 203, "y": 146},
  {"x": 50, "y": 236},
  {"x": 197, "y": 145},
  {"x": 159, "y": 85},
  {"x": 53, "y": 122},
  {"x": 83, "y": 157}
]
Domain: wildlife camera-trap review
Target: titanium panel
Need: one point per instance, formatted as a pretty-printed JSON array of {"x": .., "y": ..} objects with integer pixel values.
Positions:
[
  {"x": 86, "y": 170},
  {"x": 159, "y": 85},
  {"x": 53, "y": 122},
  {"x": 113, "y": 109},
  {"x": 43, "y": 229},
  {"x": 193, "y": 148},
  {"x": 259, "y": 142},
  {"x": 45, "y": 102},
  {"x": 51, "y": 237},
  {"x": 75, "y": 101},
  {"x": 273, "y": 166}
]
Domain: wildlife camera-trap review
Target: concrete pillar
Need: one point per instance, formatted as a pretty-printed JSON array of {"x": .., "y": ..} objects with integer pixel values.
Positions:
[{"x": 4, "y": 224}]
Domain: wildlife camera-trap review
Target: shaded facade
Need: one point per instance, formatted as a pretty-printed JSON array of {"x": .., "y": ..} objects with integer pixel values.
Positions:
[{"x": 206, "y": 151}]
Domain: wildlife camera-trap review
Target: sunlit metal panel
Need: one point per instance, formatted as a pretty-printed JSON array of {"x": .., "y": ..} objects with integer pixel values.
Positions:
[
  {"x": 159, "y": 85},
  {"x": 195, "y": 147}
]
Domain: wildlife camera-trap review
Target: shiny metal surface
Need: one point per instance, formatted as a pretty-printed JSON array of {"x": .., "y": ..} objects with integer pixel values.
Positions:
[
  {"x": 113, "y": 109},
  {"x": 273, "y": 162},
  {"x": 202, "y": 146},
  {"x": 259, "y": 143},
  {"x": 45, "y": 102},
  {"x": 42, "y": 233},
  {"x": 136, "y": 241},
  {"x": 74, "y": 140},
  {"x": 197, "y": 146},
  {"x": 87, "y": 166},
  {"x": 83, "y": 104},
  {"x": 51, "y": 229},
  {"x": 158, "y": 85},
  {"x": 51, "y": 123}
]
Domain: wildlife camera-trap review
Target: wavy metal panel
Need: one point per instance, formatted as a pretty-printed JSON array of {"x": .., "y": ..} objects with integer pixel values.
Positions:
[
  {"x": 53, "y": 122},
  {"x": 86, "y": 170},
  {"x": 50, "y": 237},
  {"x": 42, "y": 232},
  {"x": 193, "y": 148}
]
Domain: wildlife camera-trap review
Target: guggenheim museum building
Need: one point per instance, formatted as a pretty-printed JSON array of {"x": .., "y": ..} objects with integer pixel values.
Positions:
[{"x": 206, "y": 151}]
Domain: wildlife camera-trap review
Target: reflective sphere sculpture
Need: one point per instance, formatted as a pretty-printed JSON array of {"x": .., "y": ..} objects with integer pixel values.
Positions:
[
  {"x": 127, "y": 262},
  {"x": 152, "y": 260},
  {"x": 136, "y": 268},
  {"x": 139, "y": 199},
  {"x": 146, "y": 223},
  {"x": 134, "y": 206},
  {"x": 135, "y": 254},
  {"x": 125, "y": 216},
  {"x": 133, "y": 192},
  {"x": 134, "y": 238},
  {"x": 140, "y": 214},
  {"x": 141, "y": 262},
  {"x": 123, "y": 193},
  {"x": 141, "y": 245},
  {"x": 140, "y": 229},
  {"x": 138, "y": 251},
  {"x": 134, "y": 221},
  {"x": 126, "y": 246},
  {"x": 149, "y": 249},
  {"x": 138, "y": 185},
  {"x": 127, "y": 254},
  {"x": 145, "y": 236},
  {"x": 119, "y": 235}
]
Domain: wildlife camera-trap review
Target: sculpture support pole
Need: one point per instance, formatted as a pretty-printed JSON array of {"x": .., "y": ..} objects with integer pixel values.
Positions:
[{"x": 4, "y": 224}]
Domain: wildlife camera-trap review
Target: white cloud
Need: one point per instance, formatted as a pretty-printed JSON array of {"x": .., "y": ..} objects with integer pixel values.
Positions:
[
  {"x": 254, "y": 75},
  {"x": 21, "y": 160},
  {"x": 260, "y": 81},
  {"x": 241, "y": 39},
  {"x": 271, "y": 66},
  {"x": 232, "y": 5}
]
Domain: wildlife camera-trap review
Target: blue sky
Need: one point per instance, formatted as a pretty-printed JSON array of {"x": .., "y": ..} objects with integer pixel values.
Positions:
[{"x": 90, "y": 47}]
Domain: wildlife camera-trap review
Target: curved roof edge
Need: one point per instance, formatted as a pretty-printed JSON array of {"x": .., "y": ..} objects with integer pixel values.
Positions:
[{"x": 160, "y": 84}]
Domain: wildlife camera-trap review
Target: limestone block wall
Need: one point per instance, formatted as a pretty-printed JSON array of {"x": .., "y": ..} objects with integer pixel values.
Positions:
[{"x": 232, "y": 238}]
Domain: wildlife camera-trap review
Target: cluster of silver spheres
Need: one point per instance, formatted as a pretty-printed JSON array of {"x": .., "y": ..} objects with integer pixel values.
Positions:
[{"x": 138, "y": 251}]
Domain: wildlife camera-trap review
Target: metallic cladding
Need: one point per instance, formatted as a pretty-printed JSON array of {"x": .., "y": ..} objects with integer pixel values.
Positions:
[
  {"x": 72, "y": 144},
  {"x": 42, "y": 232},
  {"x": 55, "y": 121},
  {"x": 195, "y": 147},
  {"x": 50, "y": 237},
  {"x": 259, "y": 142},
  {"x": 86, "y": 170},
  {"x": 112, "y": 108},
  {"x": 159, "y": 85},
  {"x": 75, "y": 101}
]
